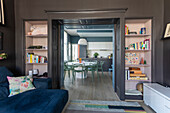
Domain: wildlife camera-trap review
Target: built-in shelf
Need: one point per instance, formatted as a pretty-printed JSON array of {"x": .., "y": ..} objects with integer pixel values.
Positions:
[
  {"x": 36, "y": 63},
  {"x": 137, "y": 50},
  {"x": 137, "y": 35},
  {"x": 137, "y": 65},
  {"x": 136, "y": 80},
  {"x": 36, "y": 49},
  {"x": 38, "y": 36}
]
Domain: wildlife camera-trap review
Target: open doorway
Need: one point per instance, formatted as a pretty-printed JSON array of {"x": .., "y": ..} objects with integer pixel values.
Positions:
[
  {"x": 57, "y": 19},
  {"x": 88, "y": 54}
]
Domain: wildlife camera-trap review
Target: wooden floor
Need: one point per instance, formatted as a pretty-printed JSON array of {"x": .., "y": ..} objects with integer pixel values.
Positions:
[{"x": 101, "y": 89}]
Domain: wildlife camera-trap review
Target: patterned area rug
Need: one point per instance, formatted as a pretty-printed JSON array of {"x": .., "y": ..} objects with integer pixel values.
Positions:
[{"x": 105, "y": 106}]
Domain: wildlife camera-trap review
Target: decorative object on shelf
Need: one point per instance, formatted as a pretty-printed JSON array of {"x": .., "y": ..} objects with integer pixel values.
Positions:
[
  {"x": 35, "y": 72},
  {"x": 126, "y": 48},
  {"x": 131, "y": 47},
  {"x": 39, "y": 30},
  {"x": 131, "y": 58},
  {"x": 2, "y": 17},
  {"x": 126, "y": 30},
  {"x": 30, "y": 73},
  {"x": 142, "y": 61},
  {"x": 96, "y": 54},
  {"x": 1, "y": 41},
  {"x": 139, "y": 87},
  {"x": 32, "y": 28},
  {"x": 167, "y": 31},
  {"x": 143, "y": 30},
  {"x": 145, "y": 62},
  {"x": 36, "y": 47},
  {"x": 133, "y": 32},
  {"x": 3, "y": 56}
]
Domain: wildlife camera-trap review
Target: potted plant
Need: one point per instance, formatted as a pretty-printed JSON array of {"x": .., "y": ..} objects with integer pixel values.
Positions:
[{"x": 96, "y": 54}]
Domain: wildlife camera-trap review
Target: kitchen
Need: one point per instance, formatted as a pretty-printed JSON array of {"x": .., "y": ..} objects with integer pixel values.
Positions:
[{"x": 90, "y": 44}]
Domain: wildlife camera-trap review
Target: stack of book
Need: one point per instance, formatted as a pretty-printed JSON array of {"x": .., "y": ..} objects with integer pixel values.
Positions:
[
  {"x": 144, "y": 45},
  {"x": 32, "y": 58},
  {"x": 134, "y": 73}
]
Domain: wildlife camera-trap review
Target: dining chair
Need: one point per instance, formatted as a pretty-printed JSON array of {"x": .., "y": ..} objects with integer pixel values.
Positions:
[
  {"x": 67, "y": 68},
  {"x": 100, "y": 66},
  {"x": 79, "y": 68},
  {"x": 92, "y": 68}
]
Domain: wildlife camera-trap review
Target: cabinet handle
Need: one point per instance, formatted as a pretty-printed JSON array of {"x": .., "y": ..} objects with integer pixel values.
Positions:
[{"x": 167, "y": 106}]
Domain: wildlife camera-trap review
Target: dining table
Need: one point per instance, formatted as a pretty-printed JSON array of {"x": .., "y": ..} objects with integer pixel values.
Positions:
[{"x": 86, "y": 64}]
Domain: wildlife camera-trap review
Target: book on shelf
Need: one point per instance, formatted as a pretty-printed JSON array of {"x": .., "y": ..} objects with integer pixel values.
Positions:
[
  {"x": 137, "y": 75},
  {"x": 138, "y": 78},
  {"x": 134, "y": 68},
  {"x": 144, "y": 45},
  {"x": 135, "y": 72},
  {"x": 33, "y": 58},
  {"x": 127, "y": 74}
]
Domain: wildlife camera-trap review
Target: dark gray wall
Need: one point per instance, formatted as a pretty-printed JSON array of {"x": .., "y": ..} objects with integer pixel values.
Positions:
[
  {"x": 166, "y": 42},
  {"x": 34, "y": 9},
  {"x": 9, "y": 35}
]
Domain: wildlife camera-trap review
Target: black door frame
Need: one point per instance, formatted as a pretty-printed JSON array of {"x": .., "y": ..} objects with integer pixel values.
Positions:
[{"x": 54, "y": 53}]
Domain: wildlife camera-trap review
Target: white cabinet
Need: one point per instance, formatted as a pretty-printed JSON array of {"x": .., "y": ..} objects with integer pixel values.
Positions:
[
  {"x": 157, "y": 97},
  {"x": 167, "y": 105}
]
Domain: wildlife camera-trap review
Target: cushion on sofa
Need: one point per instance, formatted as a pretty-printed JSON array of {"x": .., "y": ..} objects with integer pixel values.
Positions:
[
  {"x": 19, "y": 84},
  {"x": 3, "y": 92},
  {"x": 4, "y": 72},
  {"x": 4, "y": 85}
]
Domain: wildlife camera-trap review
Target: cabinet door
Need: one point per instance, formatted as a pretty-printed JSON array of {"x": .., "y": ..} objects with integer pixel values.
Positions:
[
  {"x": 157, "y": 102},
  {"x": 147, "y": 95},
  {"x": 166, "y": 106}
]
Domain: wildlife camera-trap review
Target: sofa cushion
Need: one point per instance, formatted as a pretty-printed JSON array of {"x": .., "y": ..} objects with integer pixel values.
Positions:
[
  {"x": 4, "y": 85},
  {"x": 4, "y": 72},
  {"x": 19, "y": 84},
  {"x": 3, "y": 92}
]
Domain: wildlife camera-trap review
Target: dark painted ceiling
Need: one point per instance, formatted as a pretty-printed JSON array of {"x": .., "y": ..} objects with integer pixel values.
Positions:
[{"x": 92, "y": 25}]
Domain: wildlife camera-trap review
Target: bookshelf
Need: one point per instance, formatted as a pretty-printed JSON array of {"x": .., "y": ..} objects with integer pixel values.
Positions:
[
  {"x": 141, "y": 42},
  {"x": 137, "y": 65},
  {"x": 36, "y": 49},
  {"x": 137, "y": 35},
  {"x": 36, "y": 35},
  {"x": 36, "y": 63},
  {"x": 137, "y": 50}
]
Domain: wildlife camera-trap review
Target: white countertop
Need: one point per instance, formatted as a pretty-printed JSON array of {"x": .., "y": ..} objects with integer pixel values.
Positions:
[{"x": 161, "y": 90}]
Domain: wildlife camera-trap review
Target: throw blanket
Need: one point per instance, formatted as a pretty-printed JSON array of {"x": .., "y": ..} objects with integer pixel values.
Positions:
[{"x": 35, "y": 101}]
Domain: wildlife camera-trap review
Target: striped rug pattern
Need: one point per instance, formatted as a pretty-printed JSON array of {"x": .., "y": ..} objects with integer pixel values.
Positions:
[{"x": 105, "y": 106}]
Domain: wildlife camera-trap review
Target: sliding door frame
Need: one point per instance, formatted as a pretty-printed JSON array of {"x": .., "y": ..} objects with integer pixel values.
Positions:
[{"x": 54, "y": 68}]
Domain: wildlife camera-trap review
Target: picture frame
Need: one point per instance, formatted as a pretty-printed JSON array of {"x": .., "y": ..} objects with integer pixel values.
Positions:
[
  {"x": 167, "y": 31},
  {"x": 2, "y": 14}
]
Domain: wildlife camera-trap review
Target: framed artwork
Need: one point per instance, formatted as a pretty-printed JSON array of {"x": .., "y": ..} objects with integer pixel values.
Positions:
[
  {"x": 1, "y": 41},
  {"x": 167, "y": 31},
  {"x": 2, "y": 18}
]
